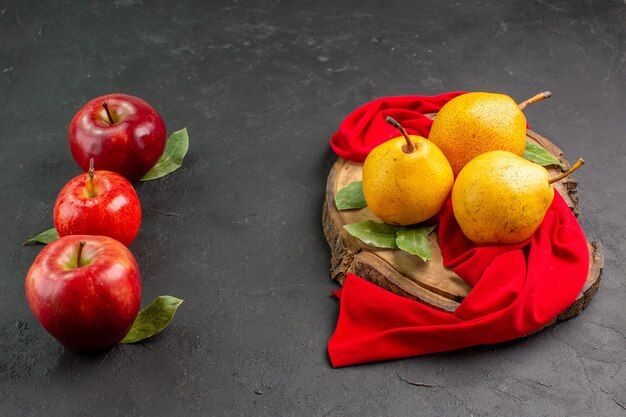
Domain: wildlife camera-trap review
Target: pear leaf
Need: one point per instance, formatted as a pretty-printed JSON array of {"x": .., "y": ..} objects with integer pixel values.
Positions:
[
  {"x": 375, "y": 234},
  {"x": 44, "y": 238},
  {"x": 153, "y": 318},
  {"x": 539, "y": 155},
  {"x": 172, "y": 158},
  {"x": 351, "y": 197},
  {"x": 414, "y": 240}
]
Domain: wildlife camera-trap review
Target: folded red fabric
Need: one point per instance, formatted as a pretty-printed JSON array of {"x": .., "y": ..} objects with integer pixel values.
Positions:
[
  {"x": 365, "y": 128},
  {"x": 517, "y": 289}
]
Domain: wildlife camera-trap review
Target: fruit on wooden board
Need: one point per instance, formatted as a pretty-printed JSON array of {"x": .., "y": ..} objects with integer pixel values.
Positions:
[
  {"x": 501, "y": 198},
  {"x": 122, "y": 133},
  {"x": 406, "y": 180},
  {"x": 85, "y": 291},
  {"x": 98, "y": 203},
  {"x": 474, "y": 123}
]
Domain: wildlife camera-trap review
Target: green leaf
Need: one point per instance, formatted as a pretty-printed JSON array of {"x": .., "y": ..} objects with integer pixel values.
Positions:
[
  {"x": 172, "y": 158},
  {"x": 539, "y": 155},
  {"x": 153, "y": 319},
  {"x": 43, "y": 238},
  {"x": 380, "y": 235},
  {"x": 351, "y": 197},
  {"x": 414, "y": 240}
]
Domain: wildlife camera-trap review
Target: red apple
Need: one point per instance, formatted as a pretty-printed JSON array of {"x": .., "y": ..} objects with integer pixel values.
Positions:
[
  {"x": 98, "y": 203},
  {"x": 122, "y": 133},
  {"x": 85, "y": 291}
]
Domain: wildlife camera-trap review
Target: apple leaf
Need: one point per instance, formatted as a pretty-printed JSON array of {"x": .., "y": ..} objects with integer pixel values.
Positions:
[
  {"x": 539, "y": 155},
  {"x": 351, "y": 197},
  {"x": 414, "y": 240},
  {"x": 172, "y": 158},
  {"x": 153, "y": 318},
  {"x": 43, "y": 238},
  {"x": 380, "y": 235}
]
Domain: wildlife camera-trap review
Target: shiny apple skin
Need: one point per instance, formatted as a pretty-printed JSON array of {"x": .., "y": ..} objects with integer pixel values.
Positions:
[
  {"x": 130, "y": 146},
  {"x": 114, "y": 212},
  {"x": 87, "y": 308}
]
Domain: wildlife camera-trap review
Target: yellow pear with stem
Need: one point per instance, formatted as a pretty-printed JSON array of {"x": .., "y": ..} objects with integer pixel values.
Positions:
[
  {"x": 502, "y": 198},
  {"x": 475, "y": 123},
  {"x": 407, "y": 179}
]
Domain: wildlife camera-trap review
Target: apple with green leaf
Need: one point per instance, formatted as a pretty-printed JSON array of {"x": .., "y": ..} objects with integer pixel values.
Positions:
[
  {"x": 98, "y": 203},
  {"x": 122, "y": 133},
  {"x": 85, "y": 291}
]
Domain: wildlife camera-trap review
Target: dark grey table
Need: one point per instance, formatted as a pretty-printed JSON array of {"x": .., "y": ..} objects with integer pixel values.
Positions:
[{"x": 236, "y": 231}]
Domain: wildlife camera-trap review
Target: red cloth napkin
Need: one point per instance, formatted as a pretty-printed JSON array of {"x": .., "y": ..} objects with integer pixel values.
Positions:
[
  {"x": 365, "y": 128},
  {"x": 517, "y": 289}
]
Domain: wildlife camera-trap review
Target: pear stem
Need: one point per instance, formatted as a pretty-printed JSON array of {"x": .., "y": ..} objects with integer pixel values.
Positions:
[
  {"x": 91, "y": 192},
  {"x": 81, "y": 245},
  {"x": 537, "y": 97},
  {"x": 410, "y": 146},
  {"x": 577, "y": 165},
  {"x": 106, "y": 109}
]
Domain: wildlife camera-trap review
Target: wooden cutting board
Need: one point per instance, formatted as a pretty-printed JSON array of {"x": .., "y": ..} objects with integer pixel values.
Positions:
[{"x": 407, "y": 275}]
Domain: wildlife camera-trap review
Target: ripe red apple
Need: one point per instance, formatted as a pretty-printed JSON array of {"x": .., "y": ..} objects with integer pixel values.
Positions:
[
  {"x": 98, "y": 203},
  {"x": 122, "y": 133},
  {"x": 85, "y": 291}
]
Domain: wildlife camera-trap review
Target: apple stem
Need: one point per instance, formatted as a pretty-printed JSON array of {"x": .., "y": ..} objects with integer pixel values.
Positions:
[
  {"x": 91, "y": 192},
  {"x": 81, "y": 245},
  {"x": 577, "y": 165},
  {"x": 106, "y": 109},
  {"x": 537, "y": 97},
  {"x": 410, "y": 146}
]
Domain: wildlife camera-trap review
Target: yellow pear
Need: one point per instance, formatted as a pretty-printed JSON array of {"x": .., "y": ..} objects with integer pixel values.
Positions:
[
  {"x": 501, "y": 198},
  {"x": 475, "y": 123},
  {"x": 406, "y": 180}
]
